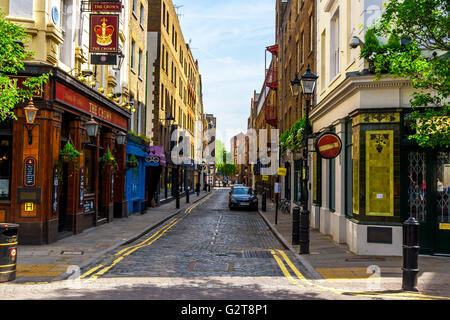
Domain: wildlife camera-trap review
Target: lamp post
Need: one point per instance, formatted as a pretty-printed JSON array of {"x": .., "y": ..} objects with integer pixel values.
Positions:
[
  {"x": 121, "y": 138},
  {"x": 307, "y": 85}
]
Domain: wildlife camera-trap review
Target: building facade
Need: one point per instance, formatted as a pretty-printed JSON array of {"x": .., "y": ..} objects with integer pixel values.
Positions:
[
  {"x": 174, "y": 91},
  {"x": 48, "y": 195},
  {"x": 381, "y": 177}
]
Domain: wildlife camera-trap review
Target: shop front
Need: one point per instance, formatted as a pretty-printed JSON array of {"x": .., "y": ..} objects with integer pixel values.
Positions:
[
  {"x": 64, "y": 173},
  {"x": 136, "y": 176}
]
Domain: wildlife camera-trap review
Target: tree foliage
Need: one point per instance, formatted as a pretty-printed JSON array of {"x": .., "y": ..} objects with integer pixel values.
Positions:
[
  {"x": 423, "y": 57},
  {"x": 12, "y": 57}
]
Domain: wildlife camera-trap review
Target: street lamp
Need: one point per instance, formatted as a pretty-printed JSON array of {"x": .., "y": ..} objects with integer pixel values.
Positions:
[
  {"x": 307, "y": 84},
  {"x": 30, "y": 115}
]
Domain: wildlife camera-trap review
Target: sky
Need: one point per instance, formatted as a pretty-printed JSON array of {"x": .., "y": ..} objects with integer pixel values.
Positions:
[{"x": 228, "y": 38}]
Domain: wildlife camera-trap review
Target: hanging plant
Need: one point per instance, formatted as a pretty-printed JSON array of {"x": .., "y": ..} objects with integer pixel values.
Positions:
[
  {"x": 69, "y": 154},
  {"x": 108, "y": 160},
  {"x": 132, "y": 163}
]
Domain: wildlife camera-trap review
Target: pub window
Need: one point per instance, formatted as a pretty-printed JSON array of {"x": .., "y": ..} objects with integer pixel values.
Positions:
[
  {"x": 348, "y": 169},
  {"x": 89, "y": 165},
  {"x": 5, "y": 159},
  {"x": 317, "y": 178},
  {"x": 332, "y": 186}
]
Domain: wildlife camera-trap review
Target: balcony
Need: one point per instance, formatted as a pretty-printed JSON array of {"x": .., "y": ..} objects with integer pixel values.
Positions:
[
  {"x": 273, "y": 49},
  {"x": 272, "y": 78},
  {"x": 271, "y": 114}
]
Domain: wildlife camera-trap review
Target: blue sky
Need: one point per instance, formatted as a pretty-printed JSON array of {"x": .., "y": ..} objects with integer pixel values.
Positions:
[{"x": 228, "y": 39}]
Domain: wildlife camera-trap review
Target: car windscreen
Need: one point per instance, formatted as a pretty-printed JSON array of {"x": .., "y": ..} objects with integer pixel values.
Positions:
[{"x": 241, "y": 191}]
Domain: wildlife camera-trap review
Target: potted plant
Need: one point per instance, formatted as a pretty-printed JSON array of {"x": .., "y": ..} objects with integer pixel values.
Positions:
[
  {"x": 108, "y": 160},
  {"x": 132, "y": 163}
]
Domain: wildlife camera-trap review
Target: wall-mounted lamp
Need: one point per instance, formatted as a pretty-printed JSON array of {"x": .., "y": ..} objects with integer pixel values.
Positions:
[
  {"x": 92, "y": 128},
  {"x": 121, "y": 138},
  {"x": 30, "y": 115}
]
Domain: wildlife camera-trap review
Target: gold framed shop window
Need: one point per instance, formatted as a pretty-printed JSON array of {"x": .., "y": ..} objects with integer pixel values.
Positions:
[{"x": 380, "y": 173}]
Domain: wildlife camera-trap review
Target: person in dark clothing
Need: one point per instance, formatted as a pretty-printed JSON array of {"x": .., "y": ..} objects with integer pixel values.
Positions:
[{"x": 197, "y": 188}]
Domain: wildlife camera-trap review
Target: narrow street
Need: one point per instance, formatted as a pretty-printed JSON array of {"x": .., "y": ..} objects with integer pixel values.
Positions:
[{"x": 207, "y": 252}]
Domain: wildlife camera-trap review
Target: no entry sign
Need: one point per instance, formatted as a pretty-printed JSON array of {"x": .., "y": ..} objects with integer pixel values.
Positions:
[{"x": 328, "y": 145}]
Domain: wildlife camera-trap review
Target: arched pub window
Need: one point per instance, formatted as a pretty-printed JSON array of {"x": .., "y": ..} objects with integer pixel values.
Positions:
[{"x": 5, "y": 159}]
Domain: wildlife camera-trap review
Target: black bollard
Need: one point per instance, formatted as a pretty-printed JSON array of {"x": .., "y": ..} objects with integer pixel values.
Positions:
[
  {"x": 296, "y": 225},
  {"x": 304, "y": 232},
  {"x": 264, "y": 202},
  {"x": 410, "y": 254},
  {"x": 177, "y": 197},
  {"x": 187, "y": 195}
]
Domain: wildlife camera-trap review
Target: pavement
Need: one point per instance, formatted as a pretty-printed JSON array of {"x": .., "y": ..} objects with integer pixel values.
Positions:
[
  {"x": 65, "y": 258},
  {"x": 335, "y": 264}
]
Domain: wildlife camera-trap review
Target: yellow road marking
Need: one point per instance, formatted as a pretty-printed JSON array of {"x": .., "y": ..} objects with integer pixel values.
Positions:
[
  {"x": 143, "y": 242},
  {"x": 127, "y": 251},
  {"x": 403, "y": 295}
]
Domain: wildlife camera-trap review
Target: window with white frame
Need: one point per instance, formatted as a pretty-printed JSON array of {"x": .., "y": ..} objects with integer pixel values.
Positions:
[{"x": 334, "y": 45}]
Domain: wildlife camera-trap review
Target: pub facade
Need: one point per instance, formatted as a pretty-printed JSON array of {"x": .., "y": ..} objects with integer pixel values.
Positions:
[{"x": 64, "y": 173}]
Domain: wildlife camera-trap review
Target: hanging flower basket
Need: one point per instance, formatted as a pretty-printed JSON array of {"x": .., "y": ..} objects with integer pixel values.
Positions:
[
  {"x": 132, "y": 163},
  {"x": 108, "y": 160},
  {"x": 69, "y": 154}
]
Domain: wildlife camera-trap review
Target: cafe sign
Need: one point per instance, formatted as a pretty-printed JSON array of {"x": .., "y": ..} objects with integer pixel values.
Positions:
[{"x": 104, "y": 33}]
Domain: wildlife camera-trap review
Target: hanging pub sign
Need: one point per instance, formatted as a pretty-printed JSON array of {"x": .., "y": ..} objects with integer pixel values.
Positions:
[
  {"x": 328, "y": 145},
  {"x": 106, "y": 5},
  {"x": 104, "y": 33}
]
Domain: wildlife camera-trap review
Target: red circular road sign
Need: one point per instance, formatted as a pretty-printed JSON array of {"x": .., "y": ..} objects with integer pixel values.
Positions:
[{"x": 329, "y": 145}]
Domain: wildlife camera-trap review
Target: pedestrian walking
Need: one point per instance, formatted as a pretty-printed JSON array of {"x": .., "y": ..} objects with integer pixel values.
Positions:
[{"x": 197, "y": 188}]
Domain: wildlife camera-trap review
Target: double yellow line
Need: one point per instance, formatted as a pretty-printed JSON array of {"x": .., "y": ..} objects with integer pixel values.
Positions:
[
  {"x": 101, "y": 269},
  {"x": 281, "y": 258}
]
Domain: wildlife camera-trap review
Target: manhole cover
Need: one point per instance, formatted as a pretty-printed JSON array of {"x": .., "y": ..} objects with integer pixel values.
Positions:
[{"x": 257, "y": 254}]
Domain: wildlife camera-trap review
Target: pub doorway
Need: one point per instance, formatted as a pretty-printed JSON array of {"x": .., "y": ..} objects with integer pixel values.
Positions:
[{"x": 427, "y": 197}]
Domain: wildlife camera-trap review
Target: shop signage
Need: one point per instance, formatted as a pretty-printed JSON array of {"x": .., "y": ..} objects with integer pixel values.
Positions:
[
  {"x": 104, "y": 33},
  {"x": 30, "y": 172},
  {"x": 328, "y": 145},
  {"x": 25, "y": 195},
  {"x": 444, "y": 226},
  {"x": 29, "y": 207},
  {"x": 81, "y": 186},
  {"x": 106, "y": 6},
  {"x": 89, "y": 206},
  {"x": 80, "y": 102},
  {"x": 265, "y": 178},
  {"x": 282, "y": 172},
  {"x": 152, "y": 161},
  {"x": 104, "y": 59}
]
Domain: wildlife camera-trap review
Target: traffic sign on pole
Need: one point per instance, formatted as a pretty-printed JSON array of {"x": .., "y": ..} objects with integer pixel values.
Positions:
[{"x": 328, "y": 145}]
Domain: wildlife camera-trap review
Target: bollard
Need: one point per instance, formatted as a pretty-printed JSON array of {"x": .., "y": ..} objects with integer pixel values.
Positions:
[
  {"x": 187, "y": 195},
  {"x": 264, "y": 202},
  {"x": 177, "y": 197},
  {"x": 410, "y": 254},
  {"x": 296, "y": 225},
  {"x": 304, "y": 232}
]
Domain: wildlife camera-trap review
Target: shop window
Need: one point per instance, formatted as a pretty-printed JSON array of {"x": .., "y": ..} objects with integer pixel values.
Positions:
[
  {"x": 5, "y": 159},
  {"x": 89, "y": 167}
]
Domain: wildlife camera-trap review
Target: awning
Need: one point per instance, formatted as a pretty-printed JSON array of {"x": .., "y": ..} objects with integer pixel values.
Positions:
[{"x": 156, "y": 156}]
